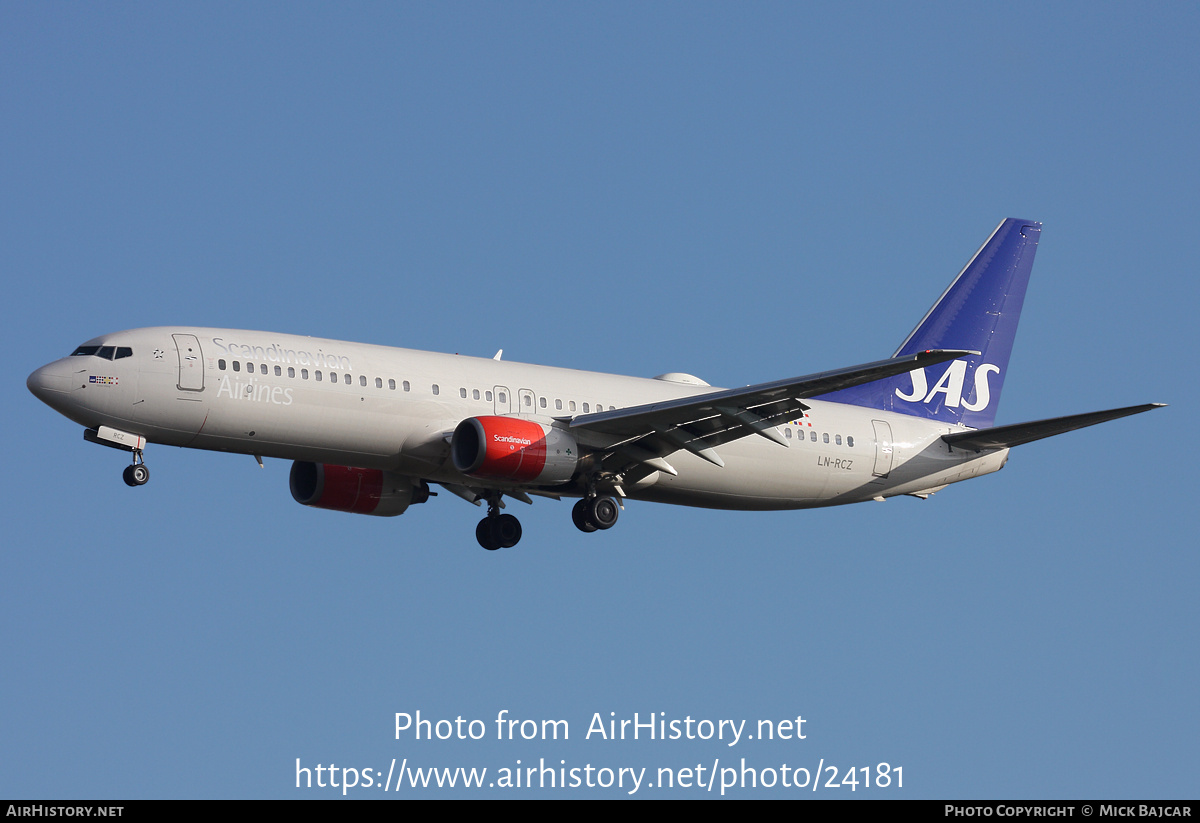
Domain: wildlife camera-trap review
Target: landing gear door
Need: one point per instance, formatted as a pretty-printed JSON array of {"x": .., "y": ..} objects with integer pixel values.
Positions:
[
  {"x": 191, "y": 366},
  {"x": 883, "y": 448}
]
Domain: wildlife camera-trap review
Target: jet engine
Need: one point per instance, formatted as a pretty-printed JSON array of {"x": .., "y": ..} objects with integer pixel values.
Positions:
[
  {"x": 347, "y": 489},
  {"x": 509, "y": 448}
]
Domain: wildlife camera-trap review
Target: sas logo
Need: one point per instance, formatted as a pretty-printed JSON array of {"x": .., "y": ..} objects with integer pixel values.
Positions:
[
  {"x": 951, "y": 385},
  {"x": 104, "y": 381}
]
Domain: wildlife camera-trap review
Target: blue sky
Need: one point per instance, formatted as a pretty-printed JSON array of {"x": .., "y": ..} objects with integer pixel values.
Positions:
[{"x": 744, "y": 194}]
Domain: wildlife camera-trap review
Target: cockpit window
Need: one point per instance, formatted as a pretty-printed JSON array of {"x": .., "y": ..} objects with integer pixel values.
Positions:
[{"x": 107, "y": 352}]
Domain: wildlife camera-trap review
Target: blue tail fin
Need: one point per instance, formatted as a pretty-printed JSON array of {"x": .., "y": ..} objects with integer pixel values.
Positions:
[{"x": 979, "y": 312}]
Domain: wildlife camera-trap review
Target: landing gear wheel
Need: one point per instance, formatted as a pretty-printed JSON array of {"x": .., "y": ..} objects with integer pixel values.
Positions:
[
  {"x": 506, "y": 530},
  {"x": 135, "y": 475},
  {"x": 483, "y": 533},
  {"x": 579, "y": 516},
  {"x": 602, "y": 512},
  {"x": 497, "y": 531}
]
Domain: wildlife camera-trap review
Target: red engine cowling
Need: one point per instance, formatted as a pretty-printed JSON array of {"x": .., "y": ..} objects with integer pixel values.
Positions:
[
  {"x": 347, "y": 489},
  {"x": 508, "y": 448}
]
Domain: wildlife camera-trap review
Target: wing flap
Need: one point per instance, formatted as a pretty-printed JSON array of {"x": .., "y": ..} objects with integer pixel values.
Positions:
[{"x": 700, "y": 423}]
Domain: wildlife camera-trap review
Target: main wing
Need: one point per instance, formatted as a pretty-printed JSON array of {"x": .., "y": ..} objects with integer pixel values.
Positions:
[{"x": 646, "y": 434}]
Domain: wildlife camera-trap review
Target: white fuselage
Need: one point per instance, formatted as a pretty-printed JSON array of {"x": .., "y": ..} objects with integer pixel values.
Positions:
[{"x": 353, "y": 404}]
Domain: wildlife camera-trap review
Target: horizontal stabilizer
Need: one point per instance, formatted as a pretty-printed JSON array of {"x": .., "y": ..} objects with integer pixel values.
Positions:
[{"x": 1004, "y": 436}]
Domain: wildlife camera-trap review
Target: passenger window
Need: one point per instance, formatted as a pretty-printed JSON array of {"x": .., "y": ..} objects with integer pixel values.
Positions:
[
  {"x": 379, "y": 382},
  {"x": 558, "y": 404},
  {"x": 278, "y": 371},
  {"x": 250, "y": 368},
  {"x": 850, "y": 440},
  {"x": 346, "y": 379},
  {"x": 528, "y": 400},
  {"x": 436, "y": 390},
  {"x": 572, "y": 405},
  {"x": 237, "y": 366},
  {"x": 825, "y": 437},
  {"x": 503, "y": 398},
  {"x": 291, "y": 372},
  {"x": 487, "y": 395},
  {"x": 221, "y": 365},
  {"x": 391, "y": 384},
  {"x": 462, "y": 393},
  {"x": 317, "y": 376},
  {"x": 304, "y": 374},
  {"x": 475, "y": 394},
  {"x": 813, "y": 436},
  {"x": 542, "y": 402},
  {"x": 406, "y": 386},
  {"x": 837, "y": 438},
  {"x": 586, "y": 409},
  {"x": 362, "y": 380},
  {"x": 787, "y": 433}
]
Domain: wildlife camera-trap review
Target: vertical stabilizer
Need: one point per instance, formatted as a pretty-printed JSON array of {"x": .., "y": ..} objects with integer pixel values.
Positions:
[{"x": 979, "y": 312}]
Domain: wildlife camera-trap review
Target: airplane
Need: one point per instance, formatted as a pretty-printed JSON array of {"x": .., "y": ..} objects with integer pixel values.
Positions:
[{"x": 369, "y": 428}]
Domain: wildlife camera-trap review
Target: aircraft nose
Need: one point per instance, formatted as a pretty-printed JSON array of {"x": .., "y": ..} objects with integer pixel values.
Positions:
[{"x": 50, "y": 381}]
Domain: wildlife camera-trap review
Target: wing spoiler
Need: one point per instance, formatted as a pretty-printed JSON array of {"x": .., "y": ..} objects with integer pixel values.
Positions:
[
  {"x": 636, "y": 419},
  {"x": 701, "y": 422}
]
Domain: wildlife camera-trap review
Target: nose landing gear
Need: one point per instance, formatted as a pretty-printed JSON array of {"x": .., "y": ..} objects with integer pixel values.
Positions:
[{"x": 136, "y": 474}]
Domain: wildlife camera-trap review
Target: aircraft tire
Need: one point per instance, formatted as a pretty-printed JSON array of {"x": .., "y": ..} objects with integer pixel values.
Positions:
[
  {"x": 139, "y": 474},
  {"x": 127, "y": 476},
  {"x": 485, "y": 536},
  {"x": 602, "y": 512},
  {"x": 506, "y": 531},
  {"x": 579, "y": 517}
]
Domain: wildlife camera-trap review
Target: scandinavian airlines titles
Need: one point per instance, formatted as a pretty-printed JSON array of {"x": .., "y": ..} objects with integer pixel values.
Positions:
[
  {"x": 951, "y": 385},
  {"x": 278, "y": 354},
  {"x": 253, "y": 390}
]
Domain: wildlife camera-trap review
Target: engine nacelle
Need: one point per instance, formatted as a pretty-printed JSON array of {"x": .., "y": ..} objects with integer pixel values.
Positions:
[
  {"x": 347, "y": 489},
  {"x": 509, "y": 448}
]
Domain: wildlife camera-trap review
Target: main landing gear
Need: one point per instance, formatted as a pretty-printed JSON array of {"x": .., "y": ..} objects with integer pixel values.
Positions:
[
  {"x": 498, "y": 531},
  {"x": 136, "y": 474},
  {"x": 595, "y": 513},
  {"x": 503, "y": 531}
]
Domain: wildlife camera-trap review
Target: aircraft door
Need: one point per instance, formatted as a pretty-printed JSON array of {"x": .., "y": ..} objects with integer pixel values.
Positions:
[
  {"x": 503, "y": 399},
  {"x": 883, "y": 448},
  {"x": 191, "y": 365},
  {"x": 526, "y": 402}
]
